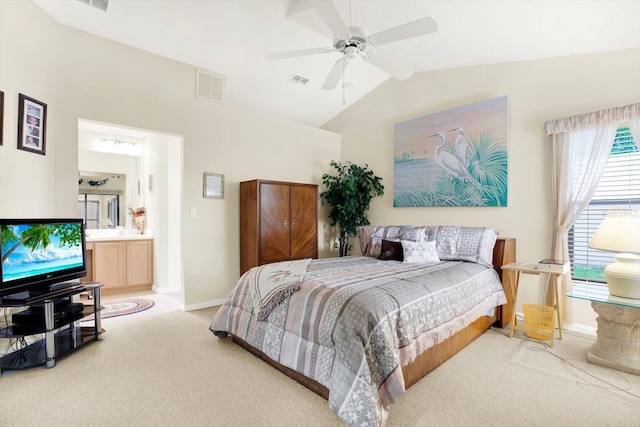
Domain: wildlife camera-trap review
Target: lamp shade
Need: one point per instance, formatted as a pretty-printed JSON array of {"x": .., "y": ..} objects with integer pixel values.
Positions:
[{"x": 618, "y": 232}]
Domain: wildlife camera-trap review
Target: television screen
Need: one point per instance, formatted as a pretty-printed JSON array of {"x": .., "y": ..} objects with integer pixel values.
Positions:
[{"x": 38, "y": 253}]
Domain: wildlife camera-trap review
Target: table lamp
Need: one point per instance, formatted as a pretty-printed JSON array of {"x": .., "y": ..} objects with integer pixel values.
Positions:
[{"x": 620, "y": 232}]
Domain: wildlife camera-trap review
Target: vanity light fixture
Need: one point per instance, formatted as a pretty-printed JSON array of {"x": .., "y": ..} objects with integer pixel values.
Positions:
[{"x": 118, "y": 141}]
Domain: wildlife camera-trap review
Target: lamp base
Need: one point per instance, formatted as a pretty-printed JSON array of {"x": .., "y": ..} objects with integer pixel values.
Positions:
[{"x": 623, "y": 276}]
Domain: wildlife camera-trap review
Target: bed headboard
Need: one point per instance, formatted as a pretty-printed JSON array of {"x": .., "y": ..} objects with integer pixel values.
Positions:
[{"x": 504, "y": 252}]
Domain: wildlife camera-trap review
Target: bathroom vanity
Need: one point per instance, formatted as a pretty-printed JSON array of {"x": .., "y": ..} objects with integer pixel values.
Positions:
[{"x": 122, "y": 263}]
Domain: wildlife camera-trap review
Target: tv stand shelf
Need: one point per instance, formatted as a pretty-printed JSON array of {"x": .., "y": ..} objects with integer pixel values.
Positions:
[{"x": 62, "y": 336}]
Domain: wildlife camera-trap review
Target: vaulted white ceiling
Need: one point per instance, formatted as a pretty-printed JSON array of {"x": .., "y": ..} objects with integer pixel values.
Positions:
[{"x": 233, "y": 38}]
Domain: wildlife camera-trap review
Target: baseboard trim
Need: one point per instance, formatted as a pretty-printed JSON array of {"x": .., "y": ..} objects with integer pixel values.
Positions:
[
  {"x": 578, "y": 329},
  {"x": 163, "y": 291},
  {"x": 201, "y": 305}
]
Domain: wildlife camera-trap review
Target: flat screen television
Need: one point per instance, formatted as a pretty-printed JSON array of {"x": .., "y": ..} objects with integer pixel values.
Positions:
[{"x": 38, "y": 254}]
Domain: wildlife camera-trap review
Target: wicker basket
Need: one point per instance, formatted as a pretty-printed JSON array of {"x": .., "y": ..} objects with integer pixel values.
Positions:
[{"x": 539, "y": 318}]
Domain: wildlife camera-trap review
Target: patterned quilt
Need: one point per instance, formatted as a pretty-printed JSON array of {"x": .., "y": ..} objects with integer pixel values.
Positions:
[{"x": 355, "y": 321}]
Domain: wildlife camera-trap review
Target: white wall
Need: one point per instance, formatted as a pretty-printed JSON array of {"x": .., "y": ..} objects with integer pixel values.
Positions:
[
  {"x": 83, "y": 76},
  {"x": 173, "y": 185},
  {"x": 155, "y": 188},
  {"x": 538, "y": 91},
  {"x": 27, "y": 180}
]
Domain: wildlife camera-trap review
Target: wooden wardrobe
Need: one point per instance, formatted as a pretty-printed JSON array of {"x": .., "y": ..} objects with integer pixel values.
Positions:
[{"x": 278, "y": 222}]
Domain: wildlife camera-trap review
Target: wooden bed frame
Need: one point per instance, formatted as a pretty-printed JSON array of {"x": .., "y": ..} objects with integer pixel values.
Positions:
[{"x": 504, "y": 252}]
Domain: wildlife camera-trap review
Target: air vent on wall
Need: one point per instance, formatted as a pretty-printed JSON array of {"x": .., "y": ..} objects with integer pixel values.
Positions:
[
  {"x": 98, "y": 4},
  {"x": 210, "y": 86},
  {"x": 298, "y": 79}
]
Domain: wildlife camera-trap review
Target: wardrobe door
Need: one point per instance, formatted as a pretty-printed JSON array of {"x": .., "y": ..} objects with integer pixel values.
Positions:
[
  {"x": 304, "y": 221},
  {"x": 275, "y": 222}
]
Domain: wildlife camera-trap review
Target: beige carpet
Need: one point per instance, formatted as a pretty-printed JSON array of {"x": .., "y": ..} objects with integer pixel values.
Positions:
[{"x": 162, "y": 367}]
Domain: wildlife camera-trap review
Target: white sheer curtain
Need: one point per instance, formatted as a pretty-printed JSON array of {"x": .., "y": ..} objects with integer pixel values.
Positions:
[{"x": 580, "y": 150}]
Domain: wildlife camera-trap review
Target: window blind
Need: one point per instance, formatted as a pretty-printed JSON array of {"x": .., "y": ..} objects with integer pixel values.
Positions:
[{"x": 619, "y": 188}]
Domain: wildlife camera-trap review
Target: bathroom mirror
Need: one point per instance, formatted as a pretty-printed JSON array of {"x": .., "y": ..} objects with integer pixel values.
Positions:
[{"x": 100, "y": 200}]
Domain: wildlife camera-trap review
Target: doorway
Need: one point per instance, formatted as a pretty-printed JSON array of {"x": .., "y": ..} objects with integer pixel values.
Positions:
[{"x": 150, "y": 162}]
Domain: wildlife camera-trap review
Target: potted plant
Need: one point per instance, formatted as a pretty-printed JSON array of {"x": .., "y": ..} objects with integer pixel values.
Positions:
[{"x": 349, "y": 194}]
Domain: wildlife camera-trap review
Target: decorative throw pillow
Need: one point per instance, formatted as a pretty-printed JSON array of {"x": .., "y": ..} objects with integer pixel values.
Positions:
[
  {"x": 419, "y": 252},
  {"x": 391, "y": 251},
  {"x": 370, "y": 236},
  {"x": 365, "y": 236},
  {"x": 365, "y": 233},
  {"x": 389, "y": 232},
  {"x": 474, "y": 244}
]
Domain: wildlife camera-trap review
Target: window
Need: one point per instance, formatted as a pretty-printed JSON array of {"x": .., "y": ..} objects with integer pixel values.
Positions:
[
  {"x": 113, "y": 212},
  {"x": 619, "y": 188},
  {"x": 89, "y": 210}
]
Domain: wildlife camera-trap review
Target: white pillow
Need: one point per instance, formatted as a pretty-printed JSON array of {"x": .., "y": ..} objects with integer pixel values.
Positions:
[{"x": 423, "y": 252}]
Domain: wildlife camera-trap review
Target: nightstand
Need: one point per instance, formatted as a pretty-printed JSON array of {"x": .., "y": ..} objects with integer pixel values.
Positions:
[{"x": 551, "y": 270}]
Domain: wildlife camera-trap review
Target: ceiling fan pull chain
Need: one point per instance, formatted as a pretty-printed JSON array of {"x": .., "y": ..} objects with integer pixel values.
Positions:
[{"x": 344, "y": 88}]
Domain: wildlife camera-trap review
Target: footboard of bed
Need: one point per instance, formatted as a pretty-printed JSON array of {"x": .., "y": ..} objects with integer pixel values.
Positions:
[
  {"x": 426, "y": 361},
  {"x": 435, "y": 356},
  {"x": 309, "y": 383}
]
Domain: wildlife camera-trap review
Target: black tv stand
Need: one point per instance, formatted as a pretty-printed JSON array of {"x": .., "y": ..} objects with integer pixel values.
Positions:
[
  {"x": 62, "y": 336},
  {"x": 31, "y": 297},
  {"x": 62, "y": 285}
]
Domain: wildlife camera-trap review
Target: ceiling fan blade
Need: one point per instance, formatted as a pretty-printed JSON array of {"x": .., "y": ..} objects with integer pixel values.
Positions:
[
  {"x": 335, "y": 74},
  {"x": 330, "y": 15},
  {"x": 405, "y": 31},
  {"x": 301, "y": 52},
  {"x": 399, "y": 71}
]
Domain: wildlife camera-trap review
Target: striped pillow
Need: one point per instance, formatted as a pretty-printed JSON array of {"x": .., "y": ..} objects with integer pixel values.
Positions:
[
  {"x": 371, "y": 236},
  {"x": 474, "y": 244}
]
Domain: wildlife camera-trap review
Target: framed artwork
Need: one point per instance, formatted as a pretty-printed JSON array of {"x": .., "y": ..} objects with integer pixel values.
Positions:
[
  {"x": 213, "y": 186},
  {"x": 1, "y": 116},
  {"x": 32, "y": 125},
  {"x": 457, "y": 157}
]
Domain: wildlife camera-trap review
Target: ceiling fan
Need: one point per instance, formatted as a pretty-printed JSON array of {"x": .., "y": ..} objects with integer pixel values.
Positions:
[{"x": 353, "y": 41}]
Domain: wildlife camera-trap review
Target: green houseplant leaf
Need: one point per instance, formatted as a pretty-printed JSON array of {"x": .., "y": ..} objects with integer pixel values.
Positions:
[{"x": 349, "y": 193}]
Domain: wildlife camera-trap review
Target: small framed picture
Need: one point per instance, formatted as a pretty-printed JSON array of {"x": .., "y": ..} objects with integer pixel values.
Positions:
[
  {"x": 213, "y": 186},
  {"x": 32, "y": 125},
  {"x": 1, "y": 116}
]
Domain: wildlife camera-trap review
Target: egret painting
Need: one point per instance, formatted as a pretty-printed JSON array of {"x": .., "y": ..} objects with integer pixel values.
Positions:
[{"x": 457, "y": 157}]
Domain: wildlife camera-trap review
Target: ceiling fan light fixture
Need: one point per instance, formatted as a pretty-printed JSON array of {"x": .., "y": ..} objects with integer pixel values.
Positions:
[{"x": 351, "y": 52}]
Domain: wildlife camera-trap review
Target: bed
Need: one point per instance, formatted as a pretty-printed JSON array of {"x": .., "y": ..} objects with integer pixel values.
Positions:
[{"x": 360, "y": 330}]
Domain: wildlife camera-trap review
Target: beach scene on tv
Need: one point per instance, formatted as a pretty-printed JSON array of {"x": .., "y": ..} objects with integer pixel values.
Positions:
[{"x": 34, "y": 249}]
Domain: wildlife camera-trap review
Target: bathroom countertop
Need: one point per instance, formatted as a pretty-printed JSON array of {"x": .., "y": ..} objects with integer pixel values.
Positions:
[{"x": 105, "y": 237}]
